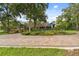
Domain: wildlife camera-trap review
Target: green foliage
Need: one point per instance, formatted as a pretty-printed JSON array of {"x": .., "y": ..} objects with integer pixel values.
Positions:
[
  {"x": 70, "y": 15},
  {"x": 34, "y": 12},
  {"x": 41, "y": 32},
  {"x": 62, "y": 25},
  {"x": 31, "y": 52},
  {"x": 50, "y": 32},
  {"x": 2, "y": 32},
  {"x": 64, "y": 32}
]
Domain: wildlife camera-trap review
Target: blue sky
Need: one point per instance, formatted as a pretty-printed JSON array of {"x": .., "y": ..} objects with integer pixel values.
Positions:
[{"x": 54, "y": 10}]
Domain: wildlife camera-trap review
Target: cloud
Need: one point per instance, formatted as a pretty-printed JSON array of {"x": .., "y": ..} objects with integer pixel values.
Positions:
[{"x": 56, "y": 6}]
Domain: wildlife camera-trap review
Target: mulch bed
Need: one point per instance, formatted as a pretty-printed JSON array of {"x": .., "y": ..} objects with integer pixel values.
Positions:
[{"x": 74, "y": 52}]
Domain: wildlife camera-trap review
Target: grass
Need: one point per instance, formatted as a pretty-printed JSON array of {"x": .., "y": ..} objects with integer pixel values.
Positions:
[
  {"x": 46, "y": 32},
  {"x": 71, "y": 31},
  {"x": 31, "y": 51},
  {"x": 51, "y": 32},
  {"x": 65, "y": 32},
  {"x": 2, "y": 32}
]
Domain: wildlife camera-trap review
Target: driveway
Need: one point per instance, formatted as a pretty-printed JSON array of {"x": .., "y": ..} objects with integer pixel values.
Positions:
[{"x": 40, "y": 41}]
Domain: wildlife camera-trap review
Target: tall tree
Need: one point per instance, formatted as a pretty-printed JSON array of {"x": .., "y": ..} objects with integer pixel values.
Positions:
[
  {"x": 32, "y": 11},
  {"x": 4, "y": 16},
  {"x": 70, "y": 15}
]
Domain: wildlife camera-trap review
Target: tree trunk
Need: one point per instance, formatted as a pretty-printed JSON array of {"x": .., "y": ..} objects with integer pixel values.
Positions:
[
  {"x": 34, "y": 24},
  {"x": 29, "y": 25},
  {"x": 77, "y": 24},
  {"x": 8, "y": 29},
  {"x": 4, "y": 26},
  {"x": 19, "y": 27}
]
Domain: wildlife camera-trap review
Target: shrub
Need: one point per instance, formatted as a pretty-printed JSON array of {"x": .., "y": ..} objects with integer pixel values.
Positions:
[
  {"x": 26, "y": 33},
  {"x": 34, "y": 33},
  {"x": 49, "y": 32}
]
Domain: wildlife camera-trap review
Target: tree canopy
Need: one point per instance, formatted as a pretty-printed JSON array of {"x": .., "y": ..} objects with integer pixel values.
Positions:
[
  {"x": 71, "y": 16},
  {"x": 34, "y": 12}
]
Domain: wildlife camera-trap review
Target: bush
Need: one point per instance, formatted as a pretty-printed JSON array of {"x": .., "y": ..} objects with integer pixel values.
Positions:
[
  {"x": 35, "y": 33},
  {"x": 50, "y": 32},
  {"x": 38, "y": 33},
  {"x": 64, "y": 32},
  {"x": 26, "y": 33}
]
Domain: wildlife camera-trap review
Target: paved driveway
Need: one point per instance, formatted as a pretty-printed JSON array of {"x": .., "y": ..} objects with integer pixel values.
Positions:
[{"x": 39, "y": 41}]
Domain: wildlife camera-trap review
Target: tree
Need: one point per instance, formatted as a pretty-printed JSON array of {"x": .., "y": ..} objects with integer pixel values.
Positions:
[
  {"x": 70, "y": 15},
  {"x": 4, "y": 13},
  {"x": 35, "y": 12}
]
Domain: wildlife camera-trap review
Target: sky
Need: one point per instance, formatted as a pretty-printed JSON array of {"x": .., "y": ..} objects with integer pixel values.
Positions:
[{"x": 54, "y": 10}]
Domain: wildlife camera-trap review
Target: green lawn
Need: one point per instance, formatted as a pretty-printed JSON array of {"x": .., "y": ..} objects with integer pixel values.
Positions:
[
  {"x": 2, "y": 32},
  {"x": 31, "y": 51}
]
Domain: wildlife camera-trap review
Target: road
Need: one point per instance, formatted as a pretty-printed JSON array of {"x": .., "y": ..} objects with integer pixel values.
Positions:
[{"x": 40, "y": 41}]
